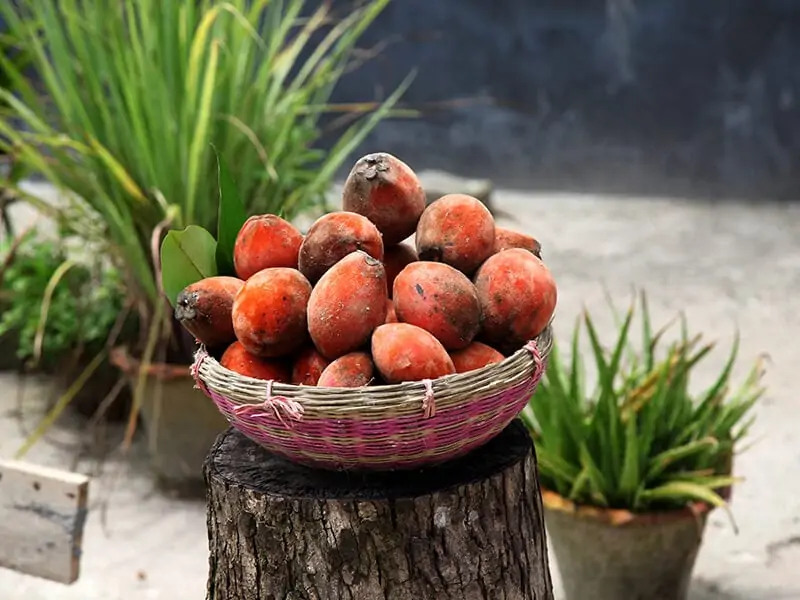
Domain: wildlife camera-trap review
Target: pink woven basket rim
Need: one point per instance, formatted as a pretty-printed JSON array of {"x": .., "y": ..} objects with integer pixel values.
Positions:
[
  {"x": 404, "y": 425},
  {"x": 374, "y": 401}
]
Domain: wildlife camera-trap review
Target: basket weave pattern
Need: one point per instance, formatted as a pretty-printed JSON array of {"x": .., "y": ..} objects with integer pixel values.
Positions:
[{"x": 400, "y": 426}]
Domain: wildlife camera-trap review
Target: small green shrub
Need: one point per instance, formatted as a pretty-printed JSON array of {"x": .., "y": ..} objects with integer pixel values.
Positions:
[
  {"x": 81, "y": 306},
  {"x": 641, "y": 439}
]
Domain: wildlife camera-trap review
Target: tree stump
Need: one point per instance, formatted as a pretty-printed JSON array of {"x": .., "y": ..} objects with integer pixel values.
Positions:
[{"x": 471, "y": 529}]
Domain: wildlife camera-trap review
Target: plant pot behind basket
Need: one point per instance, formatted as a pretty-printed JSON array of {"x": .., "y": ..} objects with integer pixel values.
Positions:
[
  {"x": 180, "y": 423},
  {"x": 98, "y": 392},
  {"x": 615, "y": 555}
]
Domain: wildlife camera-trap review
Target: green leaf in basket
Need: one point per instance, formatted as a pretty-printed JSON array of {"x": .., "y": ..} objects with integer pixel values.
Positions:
[
  {"x": 232, "y": 216},
  {"x": 187, "y": 256}
]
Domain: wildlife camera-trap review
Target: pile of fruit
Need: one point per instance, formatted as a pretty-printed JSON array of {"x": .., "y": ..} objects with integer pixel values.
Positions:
[{"x": 385, "y": 291}]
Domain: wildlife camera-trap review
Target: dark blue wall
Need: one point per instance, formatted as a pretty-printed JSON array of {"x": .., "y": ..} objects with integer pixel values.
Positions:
[
  {"x": 675, "y": 96},
  {"x": 697, "y": 97}
]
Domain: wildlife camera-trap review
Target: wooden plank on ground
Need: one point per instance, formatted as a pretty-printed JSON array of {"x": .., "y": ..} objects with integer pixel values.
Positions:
[{"x": 42, "y": 514}]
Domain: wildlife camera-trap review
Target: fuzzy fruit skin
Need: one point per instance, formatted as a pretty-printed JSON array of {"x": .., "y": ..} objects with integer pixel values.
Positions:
[
  {"x": 264, "y": 242},
  {"x": 475, "y": 356},
  {"x": 269, "y": 312},
  {"x": 237, "y": 359},
  {"x": 518, "y": 297},
  {"x": 332, "y": 237},
  {"x": 391, "y": 315},
  {"x": 386, "y": 191},
  {"x": 351, "y": 370},
  {"x": 505, "y": 239},
  {"x": 204, "y": 309},
  {"x": 308, "y": 366},
  {"x": 395, "y": 259},
  {"x": 441, "y": 300},
  {"x": 404, "y": 352},
  {"x": 457, "y": 230},
  {"x": 347, "y": 304}
]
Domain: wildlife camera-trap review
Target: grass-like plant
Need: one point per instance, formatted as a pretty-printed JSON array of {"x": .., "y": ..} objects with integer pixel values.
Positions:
[
  {"x": 641, "y": 439},
  {"x": 140, "y": 104},
  {"x": 140, "y": 98}
]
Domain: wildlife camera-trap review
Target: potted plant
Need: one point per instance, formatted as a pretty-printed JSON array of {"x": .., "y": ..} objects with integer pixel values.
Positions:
[
  {"x": 10, "y": 172},
  {"x": 57, "y": 316},
  {"x": 632, "y": 467},
  {"x": 141, "y": 99}
]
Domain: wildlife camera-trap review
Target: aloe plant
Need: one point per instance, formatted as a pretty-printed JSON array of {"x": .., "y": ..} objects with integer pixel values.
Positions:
[{"x": 640, "y": 439}]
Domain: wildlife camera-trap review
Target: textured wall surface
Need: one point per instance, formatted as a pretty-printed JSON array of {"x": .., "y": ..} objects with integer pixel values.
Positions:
[
  {"x": 641, "y": 96},
  {"x": 629, "y": 96}
]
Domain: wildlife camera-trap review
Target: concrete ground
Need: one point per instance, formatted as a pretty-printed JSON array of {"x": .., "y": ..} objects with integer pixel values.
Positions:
[{"x": 727, "y": 265}]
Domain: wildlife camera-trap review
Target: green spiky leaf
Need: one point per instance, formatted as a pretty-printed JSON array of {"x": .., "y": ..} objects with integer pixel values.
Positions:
[
  {"x": 681, "y": 491},
  {"x": 232, "y": 216}
]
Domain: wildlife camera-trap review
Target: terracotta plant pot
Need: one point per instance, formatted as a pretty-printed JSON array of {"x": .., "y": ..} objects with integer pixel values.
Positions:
[
  {"x": 180, "y": 423},
  {"x": 607, "y": 554}
]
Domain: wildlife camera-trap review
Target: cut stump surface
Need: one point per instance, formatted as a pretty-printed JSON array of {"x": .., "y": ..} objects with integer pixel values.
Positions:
[{"x": 471, "y": 529}]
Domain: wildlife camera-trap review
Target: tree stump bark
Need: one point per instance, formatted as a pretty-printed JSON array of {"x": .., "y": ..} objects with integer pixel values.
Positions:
[{"x": 471, "y": 529}]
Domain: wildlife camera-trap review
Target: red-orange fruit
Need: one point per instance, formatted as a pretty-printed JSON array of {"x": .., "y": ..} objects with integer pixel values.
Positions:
[
  {"x": 475, "y": 356},
  {"x": 441, "y": 300},
  {"x": 518, "y": 297},
  {"x": 395, "y": 259},
  {"x": 263, "y": 242},
  {"x": 204, "y": 309},
  {"x": 347, "y": 304},
  {"x": 505, "y": 239},
  {"x": 404, "y": 352},
  {"x": 386, "y": 191},
  {"x": 269, "y": 312},
  {"x": 351, "y": 370},
  {"x": 332, "y": 237},
  {"x": 237, "y": 359},
  {"x": 457, "y": 230},
  {"x": 308, "y": 366},
  {"x": 391, "y": 315}
]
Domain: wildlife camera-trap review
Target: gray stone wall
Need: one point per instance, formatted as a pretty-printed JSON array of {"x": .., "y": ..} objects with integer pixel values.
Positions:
[
  {"x": 690, "y": 97},
  {"x": 697, "y": 97}
]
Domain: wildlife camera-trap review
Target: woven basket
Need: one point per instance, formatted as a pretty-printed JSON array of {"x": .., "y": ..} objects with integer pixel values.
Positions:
[{"x": 408, "y": 425}]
